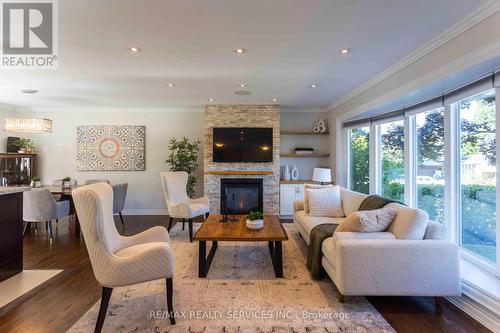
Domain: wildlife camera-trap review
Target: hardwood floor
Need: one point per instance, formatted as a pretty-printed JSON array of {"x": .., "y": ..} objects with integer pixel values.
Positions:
[{"x": 56, "y": 305}]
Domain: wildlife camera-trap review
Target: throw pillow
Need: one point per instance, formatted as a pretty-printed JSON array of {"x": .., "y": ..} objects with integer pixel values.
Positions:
[
  {"x": 306, "y": 199},
  {"x": 325, "y": 202},
  {"x": 368, "y": 220}
]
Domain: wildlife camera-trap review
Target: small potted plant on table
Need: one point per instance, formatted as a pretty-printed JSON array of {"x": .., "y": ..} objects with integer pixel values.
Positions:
[
  {"x": 36, "y": 182},
  {"x": 66, "y": 183},
  {"x": 255, "y": 220}
]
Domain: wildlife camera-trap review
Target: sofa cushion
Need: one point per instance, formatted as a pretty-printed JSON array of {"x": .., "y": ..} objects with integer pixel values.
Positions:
[
  {"x": 325, "y": 202},
  {"x": 351, "y": 200},
  {"x": 309, "y": 222},
  {"x": 436, "y": 230},
  {"x": 409, "y": 223},
  {"x": 328, "y": 246},
  {"x": 306, "y": 199},
  {"x": 376, "y": 220}
]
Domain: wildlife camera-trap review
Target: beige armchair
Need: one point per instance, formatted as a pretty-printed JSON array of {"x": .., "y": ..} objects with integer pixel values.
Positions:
[
  {"x": 178, "y": 203},
  {"x": 117, "y": 260}
]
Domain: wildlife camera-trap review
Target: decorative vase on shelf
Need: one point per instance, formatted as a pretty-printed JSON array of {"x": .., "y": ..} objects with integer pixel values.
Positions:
[
  {"x": 295, "y": 173},
  {"x": 287, "y": 173}
]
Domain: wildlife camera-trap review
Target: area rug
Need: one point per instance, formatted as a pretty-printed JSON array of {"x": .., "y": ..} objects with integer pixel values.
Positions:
[{"x": 240, "y": 294}]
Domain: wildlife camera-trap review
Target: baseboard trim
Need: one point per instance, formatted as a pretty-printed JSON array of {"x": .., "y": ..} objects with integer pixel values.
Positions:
[
  {"x": 145, "y": 212},
  {"x": 479, "y": 306}
]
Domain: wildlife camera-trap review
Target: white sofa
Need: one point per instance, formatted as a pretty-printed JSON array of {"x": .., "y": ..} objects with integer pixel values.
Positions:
[{"x": 411, "y": 258}]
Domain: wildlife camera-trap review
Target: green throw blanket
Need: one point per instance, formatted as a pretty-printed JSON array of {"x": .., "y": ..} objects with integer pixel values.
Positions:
[
  {"x": 318, "y": 234},
  {"x": 322, "y": 231}
]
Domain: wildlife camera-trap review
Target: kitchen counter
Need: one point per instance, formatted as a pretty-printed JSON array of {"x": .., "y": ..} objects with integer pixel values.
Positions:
[{"x": 13, "y": 189}]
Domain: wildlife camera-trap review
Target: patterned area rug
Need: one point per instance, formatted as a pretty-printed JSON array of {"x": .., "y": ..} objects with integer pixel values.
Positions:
[{"x": 240, "y": 294}]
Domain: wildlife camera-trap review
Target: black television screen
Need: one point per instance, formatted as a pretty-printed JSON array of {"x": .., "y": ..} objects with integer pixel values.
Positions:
[{"x": 242, "y": 144}]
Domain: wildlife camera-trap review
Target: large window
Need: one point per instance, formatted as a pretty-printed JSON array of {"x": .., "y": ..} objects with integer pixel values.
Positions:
[
  {"x": 359, "y": 163},
  {"x": 430, "y": 163},
  {"x": 392, "y": 159},
  {"x": 478, "y": 174}
]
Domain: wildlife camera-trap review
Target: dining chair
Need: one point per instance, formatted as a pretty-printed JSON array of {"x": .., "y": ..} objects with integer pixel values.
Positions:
[
  {"x": 117, "y": 260},
  {"x": 119, "y": 196},
  {"x": 178, "y": 202},
  {"x": 40, "y": 206}
]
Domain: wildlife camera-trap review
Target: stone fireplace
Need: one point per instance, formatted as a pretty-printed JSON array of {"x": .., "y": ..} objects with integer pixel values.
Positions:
[{"x": 268, "y": 173}]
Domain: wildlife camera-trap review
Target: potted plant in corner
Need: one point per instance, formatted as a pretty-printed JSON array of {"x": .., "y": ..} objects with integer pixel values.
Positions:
[
  {"x": 25, "y": 146},
  {"x": 184, "y": 157},
  {"x": 255, "y": 220},
  {"x": 66, "y": 183},
  {"x": 36, "y": 182}
]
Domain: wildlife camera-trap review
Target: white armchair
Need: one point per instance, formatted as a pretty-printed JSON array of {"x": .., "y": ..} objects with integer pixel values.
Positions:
[
  {"x": 178, "y": 203},
  {"x": 117, "y": 260}
]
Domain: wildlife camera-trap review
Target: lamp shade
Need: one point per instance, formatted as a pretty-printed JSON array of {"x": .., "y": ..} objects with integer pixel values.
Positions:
[
  {"x": 28, "y": 125},
  {"x": 323, "y": 175}
]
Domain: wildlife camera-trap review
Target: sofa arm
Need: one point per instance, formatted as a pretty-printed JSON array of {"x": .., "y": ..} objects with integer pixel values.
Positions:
[
  {"x": 397, "y": 267},
  {"x": 298, "y": 205}
]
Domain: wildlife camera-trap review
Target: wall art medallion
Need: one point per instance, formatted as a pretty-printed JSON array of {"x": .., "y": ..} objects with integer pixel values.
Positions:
[{"x": 111, "y": 148}]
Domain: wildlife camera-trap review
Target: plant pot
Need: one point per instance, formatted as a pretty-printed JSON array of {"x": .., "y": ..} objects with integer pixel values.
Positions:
[
  {"x": 304, "y": 152},
  {"x": 255, "y": 224},
  {"x": 66, "y": 185},
  {"x": 36, "y": 184},
  {"x": 22, "y": 151}
]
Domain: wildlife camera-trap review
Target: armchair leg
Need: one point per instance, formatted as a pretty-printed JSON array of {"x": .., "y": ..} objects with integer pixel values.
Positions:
[
  {"x": 170, "y": 306},
  {"x": 438, "y": 303},
  {"x": 26, "y": 227},
  {"x": 190, "y": 222},
  {"x": 170, "y": 224},
  {"x": 183, "y": 224},
  {"x": 106, "y": 295},
  {"x": 121, "y": 219}
]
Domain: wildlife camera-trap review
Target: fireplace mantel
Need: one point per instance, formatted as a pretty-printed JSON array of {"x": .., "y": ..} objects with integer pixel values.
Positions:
[{"x": 235, "y": 172}]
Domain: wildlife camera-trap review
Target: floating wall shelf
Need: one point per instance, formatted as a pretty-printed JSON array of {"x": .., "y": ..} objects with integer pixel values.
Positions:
[
  {"x": 305, "y": 155},
  {"x": 302, "y": 133},
  {"x": 239, "y": 172}
]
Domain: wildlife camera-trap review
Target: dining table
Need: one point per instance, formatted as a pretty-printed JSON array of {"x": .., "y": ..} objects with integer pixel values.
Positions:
[{"x": 65, "y": 194}]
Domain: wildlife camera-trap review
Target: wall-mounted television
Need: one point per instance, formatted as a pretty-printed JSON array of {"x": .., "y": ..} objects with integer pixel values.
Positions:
[{"x": 242, "y": 144}]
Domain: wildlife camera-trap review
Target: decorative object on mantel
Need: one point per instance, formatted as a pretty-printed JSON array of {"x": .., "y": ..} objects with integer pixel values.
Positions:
[
  {"x": 295, "y": 173},
  {"x": 304, "y": 151},
  {"x": 255, "y": 220},
  {"x": 28, "y": 125},
  {"x": 36, "y": 182},
  {"x": 319, "y": 126},
  {"x": 184, "y": 157},
  {"x": 286, "y": 173},
  {"x": 11, "y": 144},
  {"x": 322, "y": 175},
  {"x": 25, "y": 146},
  {"x": 110, "y": 148}
]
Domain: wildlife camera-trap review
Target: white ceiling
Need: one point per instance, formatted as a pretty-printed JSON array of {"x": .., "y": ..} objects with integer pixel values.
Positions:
[{"x": 291, "y": 44}]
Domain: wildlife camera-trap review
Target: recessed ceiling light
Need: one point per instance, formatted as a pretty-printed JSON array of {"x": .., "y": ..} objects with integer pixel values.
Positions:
[
  {"x": 242, "y": 85},
  {"x": 210, "y": 99},
  {"x": 29, "y": 91},
  {"x": 134, "y": 49},
  {"x": 171, "y": 85},
  {"x": 275, "y": 99},
  {"x": 345, "y": 51},
  {"x": 313, "y": 85},
  {"x": 240, "y": 50}
]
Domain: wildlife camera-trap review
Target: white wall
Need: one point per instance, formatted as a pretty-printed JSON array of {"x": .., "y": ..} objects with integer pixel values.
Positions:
[
  {"x": 303, "y": 121},
  {"x": 478, "y": 42},
  {"x": 57, "y": 150}
]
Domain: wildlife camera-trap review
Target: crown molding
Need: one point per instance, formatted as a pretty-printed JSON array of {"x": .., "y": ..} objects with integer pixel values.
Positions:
[{"x": 481, "y": 13}]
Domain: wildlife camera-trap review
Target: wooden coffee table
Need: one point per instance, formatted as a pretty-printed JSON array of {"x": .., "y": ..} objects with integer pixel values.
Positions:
[{"x": 215, "y": 231}]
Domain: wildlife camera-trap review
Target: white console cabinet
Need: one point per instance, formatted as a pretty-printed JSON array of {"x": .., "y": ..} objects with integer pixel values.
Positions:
[{"x": 288, "y": 194}]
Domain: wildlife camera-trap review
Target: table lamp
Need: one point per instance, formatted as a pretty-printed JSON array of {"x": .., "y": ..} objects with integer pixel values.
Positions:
[{"x": 322, "y": 175}]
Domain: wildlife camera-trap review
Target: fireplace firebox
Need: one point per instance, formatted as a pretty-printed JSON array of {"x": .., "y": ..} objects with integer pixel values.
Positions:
[{"x": 241, "y": 195}]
